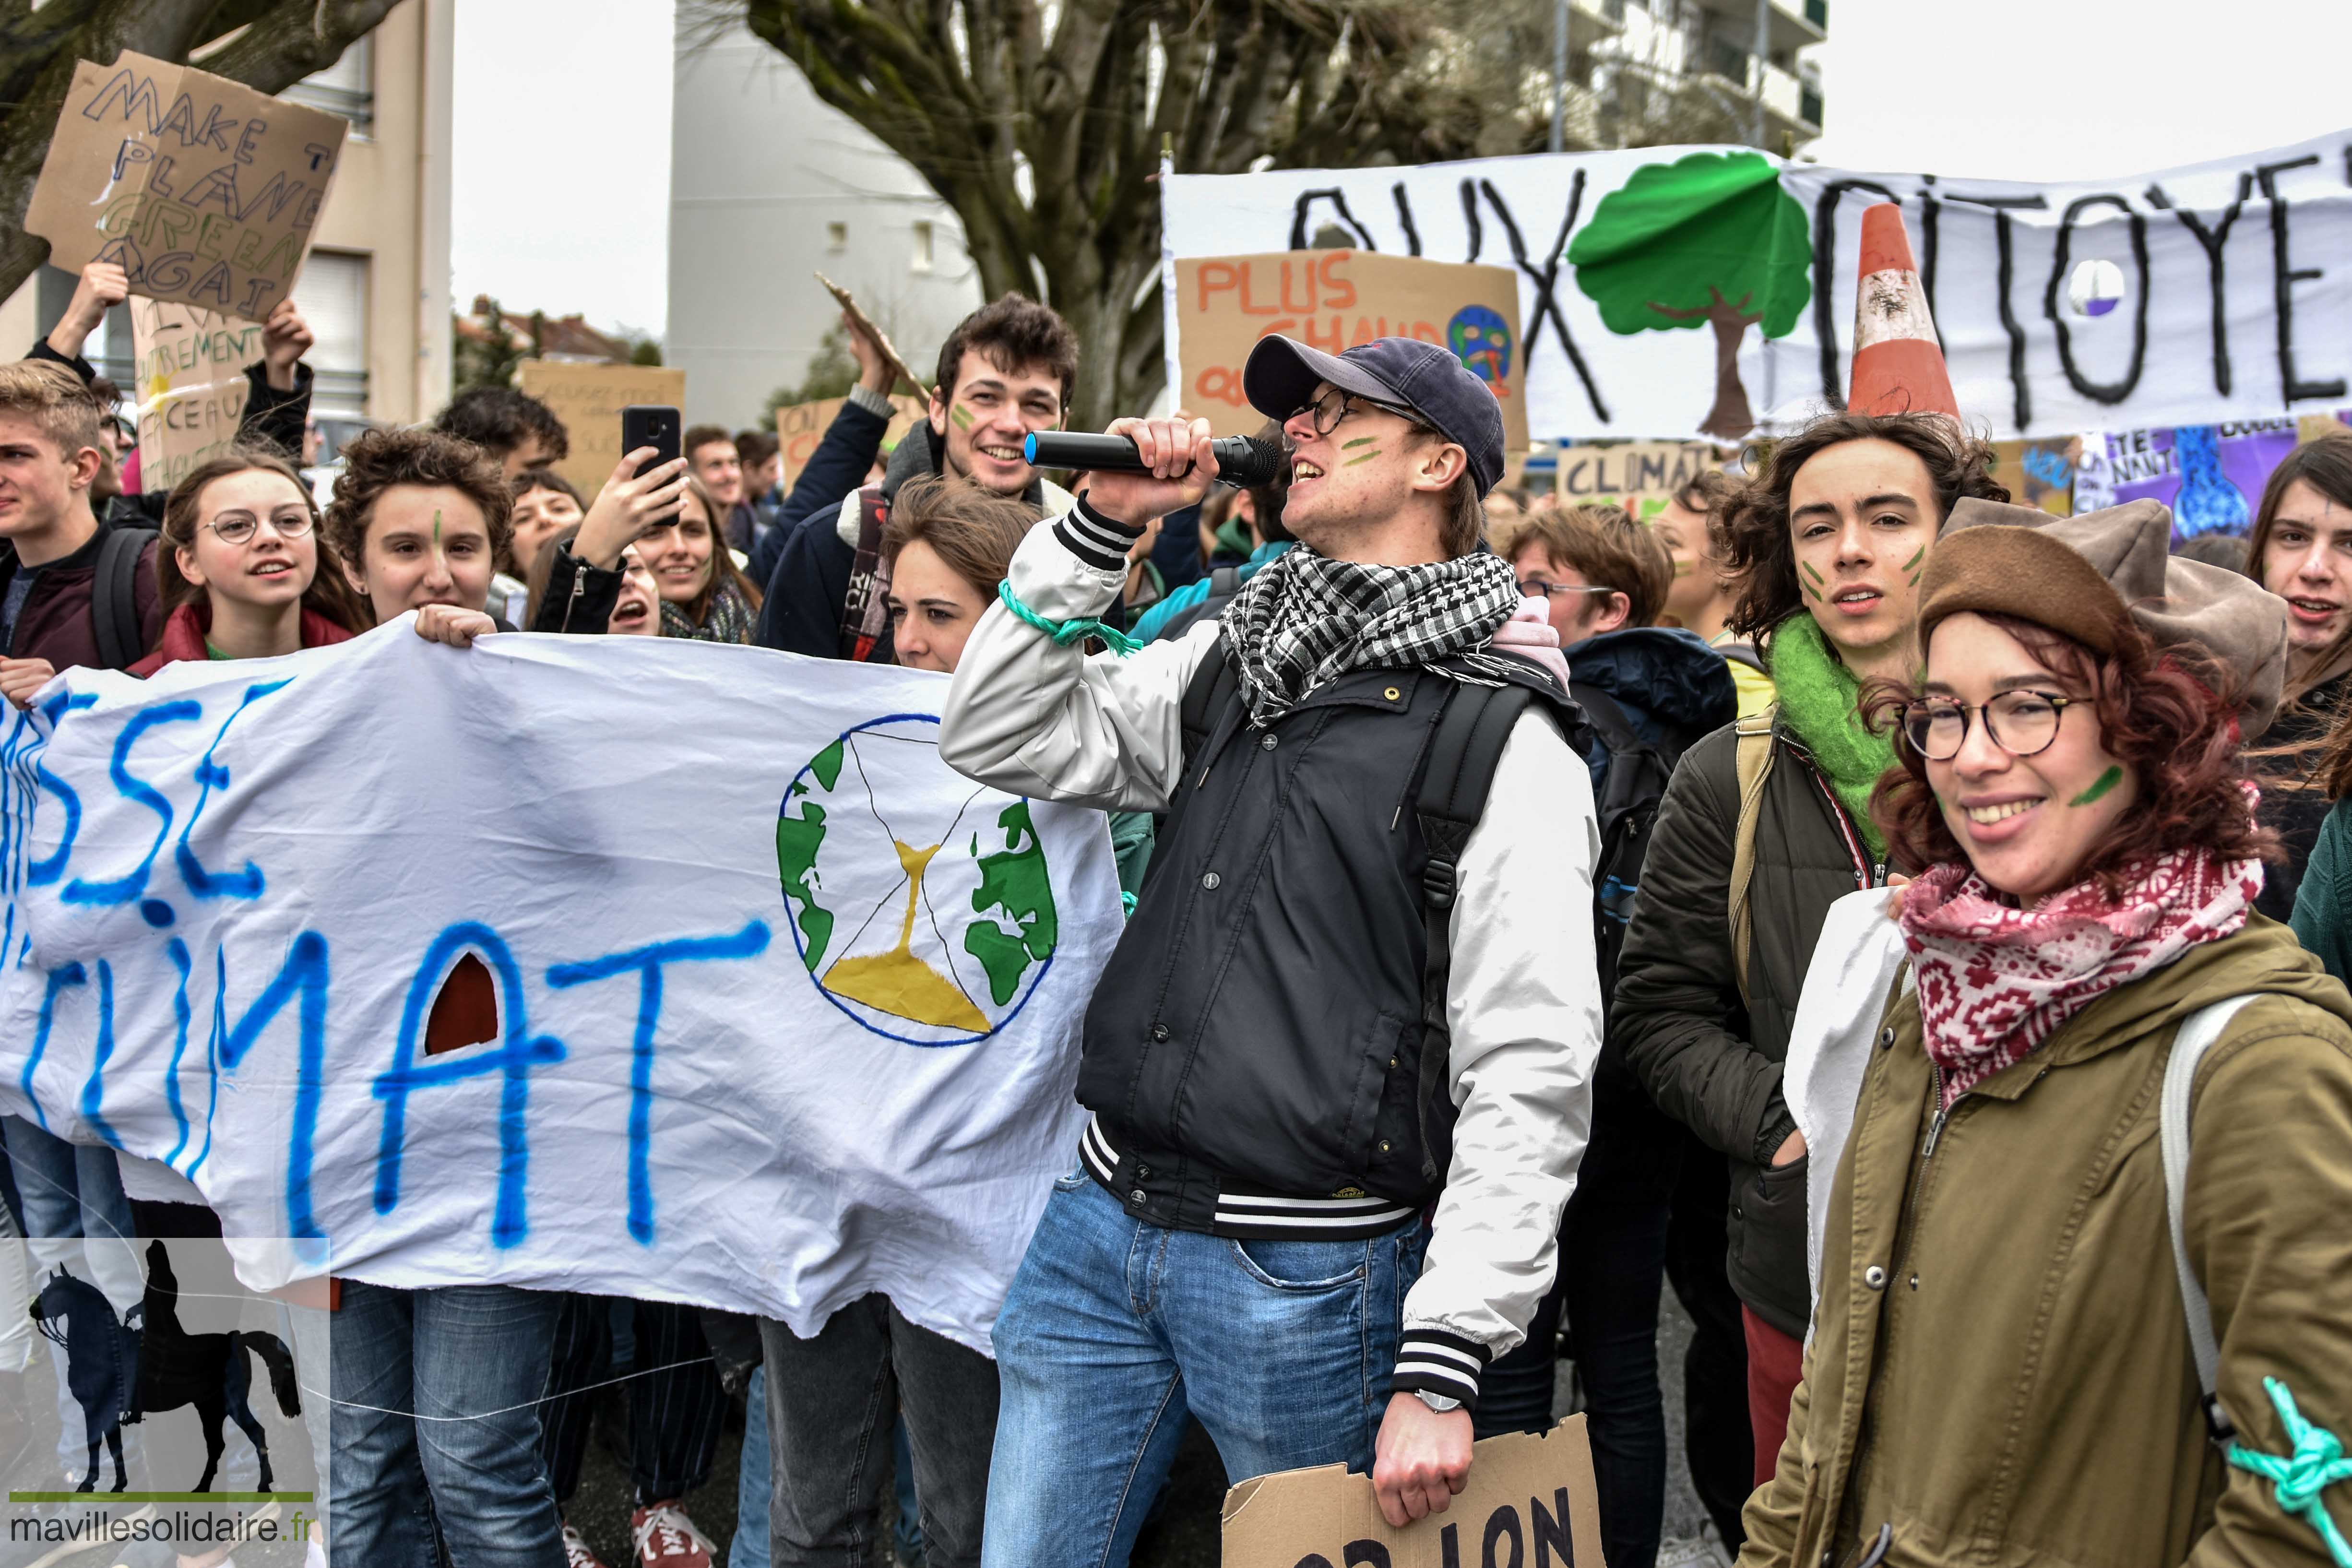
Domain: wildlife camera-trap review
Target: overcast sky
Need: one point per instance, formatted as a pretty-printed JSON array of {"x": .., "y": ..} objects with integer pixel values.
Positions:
[{"x": 562, "y": 185}]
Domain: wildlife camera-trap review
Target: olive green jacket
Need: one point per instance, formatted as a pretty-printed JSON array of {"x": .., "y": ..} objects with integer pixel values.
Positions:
[{"x": 1999, "y": 1366}]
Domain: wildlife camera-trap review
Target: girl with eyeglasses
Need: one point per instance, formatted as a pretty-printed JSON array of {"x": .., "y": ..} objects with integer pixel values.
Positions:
[
  {"x": 238, "y": 571},
  {"x": 2003, "y": 1365}
]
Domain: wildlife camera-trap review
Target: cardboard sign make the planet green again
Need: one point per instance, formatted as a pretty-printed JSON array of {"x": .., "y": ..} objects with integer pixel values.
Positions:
[
  {"x": 1334, "y": 299},
  {"x": 203, "y": 191}
]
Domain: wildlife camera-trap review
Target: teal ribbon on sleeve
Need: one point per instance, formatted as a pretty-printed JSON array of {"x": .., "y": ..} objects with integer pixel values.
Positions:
[
  {"x": 2298, "y": 1478},
  {"x": 1067, "y": 633}
]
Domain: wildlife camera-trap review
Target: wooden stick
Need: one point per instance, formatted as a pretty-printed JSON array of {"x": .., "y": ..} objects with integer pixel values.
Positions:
[{"x": 865, "y": 323}]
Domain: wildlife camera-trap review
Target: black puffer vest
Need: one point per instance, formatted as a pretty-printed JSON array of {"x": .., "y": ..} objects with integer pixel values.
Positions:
[{"x": 1254, "y": 1053}]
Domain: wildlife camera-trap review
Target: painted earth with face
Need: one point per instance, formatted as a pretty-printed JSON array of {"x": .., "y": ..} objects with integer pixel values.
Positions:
[
  {"x": 921, "y": 904},
  {"x": 1482, "y": 340}
]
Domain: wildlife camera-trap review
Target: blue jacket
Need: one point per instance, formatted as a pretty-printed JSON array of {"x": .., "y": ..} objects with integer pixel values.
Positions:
[{"x": 1672, "y": 687}]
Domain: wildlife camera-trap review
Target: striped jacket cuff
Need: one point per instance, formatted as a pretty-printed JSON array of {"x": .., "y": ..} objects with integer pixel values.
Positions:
[
  {"x": 1095, "y": 539},
  {"x": 1440, "y": 1363}
]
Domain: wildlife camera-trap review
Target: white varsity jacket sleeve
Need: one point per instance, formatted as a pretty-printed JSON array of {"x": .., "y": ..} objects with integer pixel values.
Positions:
[{"x": 1523, "y": 1003}]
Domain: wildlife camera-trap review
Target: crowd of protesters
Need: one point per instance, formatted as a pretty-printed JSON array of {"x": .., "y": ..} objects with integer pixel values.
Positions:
[{"x": 1532, "y": 870}]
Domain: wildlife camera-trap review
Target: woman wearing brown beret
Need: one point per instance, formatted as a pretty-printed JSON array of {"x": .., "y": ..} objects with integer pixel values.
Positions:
[{"x": 2006, "y": 1364}]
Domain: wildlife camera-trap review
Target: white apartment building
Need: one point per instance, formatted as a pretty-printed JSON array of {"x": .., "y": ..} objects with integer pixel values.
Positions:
[
  {"x": 768, "y": 187},
  {"x": 1746, "y": 56},
  {"x": 375, "y": 286}
]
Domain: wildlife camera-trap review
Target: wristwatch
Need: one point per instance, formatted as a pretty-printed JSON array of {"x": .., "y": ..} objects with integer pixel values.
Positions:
[{"x": 1440, "y": 1403}]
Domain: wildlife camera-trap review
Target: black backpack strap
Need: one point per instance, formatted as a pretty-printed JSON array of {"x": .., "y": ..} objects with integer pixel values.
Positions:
[
  {"x": 1224, "y": 584},
  {"x": 1207, "y": 695},
  {"x": 114, "y": 597},
  {"x": 1468, "y": 744}
]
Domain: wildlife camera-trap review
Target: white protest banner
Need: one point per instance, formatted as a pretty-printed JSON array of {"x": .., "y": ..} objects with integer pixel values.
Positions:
[
  {"x": 643, "y": 967},
  {"x": 189, "y": 383},
  {"x": 203, "y": 190},
  {"x": 1676, "y": 291}
]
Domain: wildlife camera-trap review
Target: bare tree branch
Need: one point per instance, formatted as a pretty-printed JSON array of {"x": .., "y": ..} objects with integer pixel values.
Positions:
[{"x": 973, "y": 92}]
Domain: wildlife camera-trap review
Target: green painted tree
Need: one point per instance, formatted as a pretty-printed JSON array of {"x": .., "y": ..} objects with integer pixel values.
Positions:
[{"x": 1710, "y": 239}]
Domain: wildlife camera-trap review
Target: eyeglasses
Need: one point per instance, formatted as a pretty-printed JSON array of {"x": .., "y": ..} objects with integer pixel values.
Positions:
[
  {"x": 1540, "y": 588},
  {"x": 1333, "y": 406},
  {"x": 236, "y": 527},
  {"x": 2022, "y": 724}
]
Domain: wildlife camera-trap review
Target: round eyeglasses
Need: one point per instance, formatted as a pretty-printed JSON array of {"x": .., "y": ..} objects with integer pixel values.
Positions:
[
  {"x": 236, "y": 527},
  {"x": 2022, "y": 724}
]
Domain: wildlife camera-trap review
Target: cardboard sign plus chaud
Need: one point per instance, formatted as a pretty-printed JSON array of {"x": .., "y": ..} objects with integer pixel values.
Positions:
[
  {"x": 801, "y": 426},
  {"x": 190, "y": 385},
  {"x": 1643, "y": 477},
  {"x": 203, "y": 190},
  {"x": 1334, "y": 299},
  {"x": 589, "y": 398},
  {"x": 1530, "y": 1504}
]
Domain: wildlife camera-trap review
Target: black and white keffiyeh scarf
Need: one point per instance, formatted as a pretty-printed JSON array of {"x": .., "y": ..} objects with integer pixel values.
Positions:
[{"x": 1305, "y": 619}]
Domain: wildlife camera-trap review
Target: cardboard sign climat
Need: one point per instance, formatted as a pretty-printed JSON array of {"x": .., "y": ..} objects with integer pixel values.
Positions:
[
  {"x": 801, "y": 426},
  {"x": 1530, "y": 1504},
  {"x": 589, "y": 398},
  {"x": 1639, "y": 476},
  {"x": 1334, "y": 299},
  {"x": 203, "y": 191},
  {"x": 189, "y": 384}
]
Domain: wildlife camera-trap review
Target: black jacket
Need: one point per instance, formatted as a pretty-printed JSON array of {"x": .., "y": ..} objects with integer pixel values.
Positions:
[
  {"x": 1709, "y": 1062},
  {"x": 2296, "y": 813},
  {"x": 1257, "y": 1031}
]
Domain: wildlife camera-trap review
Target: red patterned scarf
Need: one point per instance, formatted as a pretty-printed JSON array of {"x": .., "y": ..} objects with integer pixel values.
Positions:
[{"x": 1995, "y": 981}]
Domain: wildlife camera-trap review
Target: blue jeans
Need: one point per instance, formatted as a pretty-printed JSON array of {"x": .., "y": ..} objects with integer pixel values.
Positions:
[
  {"x": 1116, "y": 1330},
  {"x": 436, "y": 1418}
]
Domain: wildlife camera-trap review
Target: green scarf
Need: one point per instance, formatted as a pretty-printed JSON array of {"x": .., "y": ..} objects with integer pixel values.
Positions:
[{"x": 1819, "y": 698}]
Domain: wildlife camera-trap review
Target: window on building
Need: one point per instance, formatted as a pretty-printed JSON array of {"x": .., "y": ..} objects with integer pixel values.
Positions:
[
  {"x": 332, "y": 295},
  {"x": 836, "y": 237},
  {"x": 346, "y": 87},
  {"x": 1726, "y": 59},
  {"x": 922, "y": 246}
]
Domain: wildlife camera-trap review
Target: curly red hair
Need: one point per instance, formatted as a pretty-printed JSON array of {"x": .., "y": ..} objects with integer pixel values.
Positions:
[{"x": 2168, "y": 717}]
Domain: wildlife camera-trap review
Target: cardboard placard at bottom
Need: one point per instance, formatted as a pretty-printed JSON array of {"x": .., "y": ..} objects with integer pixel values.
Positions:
[{"x": 1530, "y": 1504}]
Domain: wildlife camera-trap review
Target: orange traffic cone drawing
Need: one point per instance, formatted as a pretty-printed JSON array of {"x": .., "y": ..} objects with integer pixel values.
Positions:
[{"x": 1898, "y": 368}]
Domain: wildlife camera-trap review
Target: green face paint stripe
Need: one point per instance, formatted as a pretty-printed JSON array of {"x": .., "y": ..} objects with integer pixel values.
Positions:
[
  {"x": 1811, "y": 591},
  {"x": 1913, "y": 580},
  {"x": 1366, "y": 457},
  {"x": 1358, "y": 441},
  {"x": 1915, "y": 559},
  {"x": 961, "y": 415},
  {"x": 2108, "y": 780},
  {"x": 1814, "y": 574}
]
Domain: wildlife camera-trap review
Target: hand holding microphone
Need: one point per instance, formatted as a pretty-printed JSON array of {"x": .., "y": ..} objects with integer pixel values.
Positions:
[{"x": 1148, "y": 467}]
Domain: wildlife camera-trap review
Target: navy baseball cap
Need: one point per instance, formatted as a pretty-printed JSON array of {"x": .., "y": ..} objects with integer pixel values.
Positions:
[{"x": 1428, "y": 378}]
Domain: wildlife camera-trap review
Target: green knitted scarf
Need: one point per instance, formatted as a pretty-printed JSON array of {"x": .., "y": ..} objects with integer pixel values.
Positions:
[{"x": 1818, "y": 698}]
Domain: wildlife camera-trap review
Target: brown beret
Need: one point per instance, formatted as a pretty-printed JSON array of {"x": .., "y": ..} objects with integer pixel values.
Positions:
[{"x": 2087, "y": 577}]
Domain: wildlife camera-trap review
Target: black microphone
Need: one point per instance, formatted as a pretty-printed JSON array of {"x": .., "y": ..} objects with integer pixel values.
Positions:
[{"x": 1243, "y": 461}]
